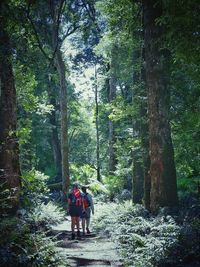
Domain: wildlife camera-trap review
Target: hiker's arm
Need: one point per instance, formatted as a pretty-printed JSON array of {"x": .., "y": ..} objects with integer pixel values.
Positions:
[
  {"x": 91, "y": 204},
  {"x": 68, "y": 204},
  {"x": 83, "y": 206}
]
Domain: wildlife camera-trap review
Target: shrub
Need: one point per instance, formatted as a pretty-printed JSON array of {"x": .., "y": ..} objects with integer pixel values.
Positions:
[
  {"x": 46, "y": 214},
  {"x": 82, "y": 173},
  {"x": 34, "y": 187},
  {"x": 22, "y": 245},
  {"x": 114, "y": 185},
  {"x": 25, "y": 241},
  {"x": 142, "y": 240}
]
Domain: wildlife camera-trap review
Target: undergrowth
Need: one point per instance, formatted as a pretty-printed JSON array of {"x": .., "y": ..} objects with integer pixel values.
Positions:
[
  {"x": 144, "y": 240},
  {"x": 25, "y": 240}
]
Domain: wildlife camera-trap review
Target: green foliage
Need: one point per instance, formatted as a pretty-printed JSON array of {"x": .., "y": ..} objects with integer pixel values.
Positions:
[
  {"x": 34, "y": 186},
  {"x": 182, "y": 21},
  {"x": 24, "y": 241},
  {"x": 25, "y": 86},
  {"x": 98, "y": 189},
  {"x": 142, "y": 240},
  {"x": 114, "y": 185},
  {"x": 83, "y": 173},
  {"x": 5, "y": 201},
  {"x": 81, "y": 133},
  {"x": 189, "y": 184},
  {"x": 46, "y": 214}
]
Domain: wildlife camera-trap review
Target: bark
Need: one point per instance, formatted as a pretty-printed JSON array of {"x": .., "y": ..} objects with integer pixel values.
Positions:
[
  {"x": 61, "y": 68},
  {"x": 54, "y": 133},
  {"x": 137, "y": 182},
  {"x": 9, "y": 150},
  {"x": 146, "y": 158},
  {"x": 162, "y": 167},
  {"x": 145, "y": 136},
  {"x": 97, "y": 128},
  {"x": 111, "y": 96},
  {"x": 64, "y": 121}
]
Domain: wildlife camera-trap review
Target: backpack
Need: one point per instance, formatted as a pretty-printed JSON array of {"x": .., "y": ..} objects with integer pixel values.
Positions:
[
  {"x": 86, "y": 201},
  {"x": 77, "y": 198}
]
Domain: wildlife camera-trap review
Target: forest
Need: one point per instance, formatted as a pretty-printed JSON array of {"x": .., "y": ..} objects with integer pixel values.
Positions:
[{"x": 105, "y": 93}]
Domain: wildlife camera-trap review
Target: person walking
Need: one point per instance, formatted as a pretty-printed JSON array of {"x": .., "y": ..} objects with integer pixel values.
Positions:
[
  {"x": 88, "y": 208},
  {"x": 75, "y": 209}
]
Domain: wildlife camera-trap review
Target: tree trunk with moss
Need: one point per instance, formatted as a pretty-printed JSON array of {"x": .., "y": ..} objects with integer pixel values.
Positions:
[
  {"x": 97, "y": 128},
  {"x": 9, "y": 149},
  {"x": 162, "y": 166},
  {"x": 61, "y": 68},
  {"x": 111, "y": 126},
  {"x": 54, "y": 131},
  {"x": 60, "y": 65}
]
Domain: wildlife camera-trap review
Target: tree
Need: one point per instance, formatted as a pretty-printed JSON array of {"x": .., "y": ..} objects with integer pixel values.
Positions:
[
  {"x": 9, "y": 151},
  {"x": 54, "y": 125},
  {"x": 111, "y": 97},
  {"x": 97, "y": 127},
  {"x": 59, "y": 20},
  {"x": 162, "y": 166}
]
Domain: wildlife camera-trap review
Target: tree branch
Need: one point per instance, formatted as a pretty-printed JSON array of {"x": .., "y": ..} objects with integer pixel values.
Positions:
[
  {"x": 70, "y": 31},
  {"x": 90, "y": 11},
  {"x": 36, "y": 34}
]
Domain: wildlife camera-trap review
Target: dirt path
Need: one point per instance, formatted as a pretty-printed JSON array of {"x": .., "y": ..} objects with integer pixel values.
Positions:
[{"x": 90, "y": 251}]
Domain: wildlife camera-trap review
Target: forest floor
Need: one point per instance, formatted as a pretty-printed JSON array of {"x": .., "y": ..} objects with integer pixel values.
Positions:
[{"x": 92, "y": 250}]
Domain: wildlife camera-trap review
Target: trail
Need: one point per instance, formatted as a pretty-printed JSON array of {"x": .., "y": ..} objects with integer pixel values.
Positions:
[{"x": 92, "y": 250}]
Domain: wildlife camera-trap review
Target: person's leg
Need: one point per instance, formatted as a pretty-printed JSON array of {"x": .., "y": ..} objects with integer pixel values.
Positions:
[
  {"x": 73, "y": 222},
  {"x": 87, "y": 225},
  {"x": 83, "y": 225},
  {"x": 77, "y": 223},
  {"x": 78, "y": 226},
  {"x": 88, "y": 214}
]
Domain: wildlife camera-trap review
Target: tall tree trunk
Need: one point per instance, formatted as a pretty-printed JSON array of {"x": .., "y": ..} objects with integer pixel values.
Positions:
[
  {"x": 111, "y": 96},
  {"x": 97, "y": 127},
  {"x": 60, "y": 65},
  {"x": 162, "y": 167},
  {"x": 137, "y": 180},
  {"x": 9, "y": 150},
  {"x": 146, "y": 158},
  {"x": 61, "y": 68},
  {"x": 54, "y": 134},
  {"x": 144, "y": 132}
]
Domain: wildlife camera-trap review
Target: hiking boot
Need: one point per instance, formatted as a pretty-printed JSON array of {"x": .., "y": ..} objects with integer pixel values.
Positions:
[
  {"x": 73, "y": 236},
  {"x": 88, "y": 231}
]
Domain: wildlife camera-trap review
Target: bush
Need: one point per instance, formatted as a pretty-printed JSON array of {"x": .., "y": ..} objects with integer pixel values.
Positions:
[
  {"x": 142, "y": 240},
  {"x": 34, "y": 187},
  {"x": 82, "y": 173},
  {"x": 22, "y": 247},
  {"x": 25, "y": 242},
  {"x": 46, "y": 214},
  {"x": 114, "y": 185}
]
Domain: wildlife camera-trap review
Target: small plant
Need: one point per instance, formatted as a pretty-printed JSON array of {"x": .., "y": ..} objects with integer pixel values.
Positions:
[{"x": 46, "y": 214}]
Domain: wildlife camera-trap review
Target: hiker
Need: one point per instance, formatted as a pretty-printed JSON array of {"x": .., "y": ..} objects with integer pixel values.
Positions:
[
  {"x": 88, "y": 207},
  {"x": 75, "y": 209}
]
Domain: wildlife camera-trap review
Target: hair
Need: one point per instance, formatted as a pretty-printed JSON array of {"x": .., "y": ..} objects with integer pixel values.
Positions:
[
  {"x": 75, "y": 185},
  {"x": 84, "y": 188}
]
